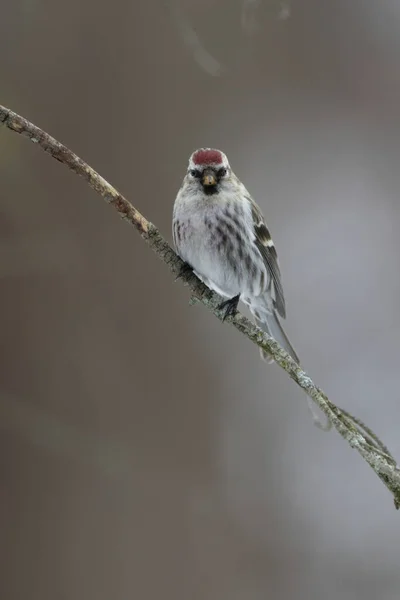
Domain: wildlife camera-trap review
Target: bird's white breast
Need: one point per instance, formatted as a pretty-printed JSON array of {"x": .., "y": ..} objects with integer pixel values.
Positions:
[{"x": 214, "y": 234}]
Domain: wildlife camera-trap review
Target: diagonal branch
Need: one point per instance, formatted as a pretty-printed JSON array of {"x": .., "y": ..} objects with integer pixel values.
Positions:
[{"x": 358, "y": 435}]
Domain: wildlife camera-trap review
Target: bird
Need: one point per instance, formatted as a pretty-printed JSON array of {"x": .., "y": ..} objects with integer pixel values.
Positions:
[{"x": 220, "y": 233}]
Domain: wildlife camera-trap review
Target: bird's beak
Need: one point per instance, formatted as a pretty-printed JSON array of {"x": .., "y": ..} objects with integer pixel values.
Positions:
[{"x": 209, "y": 178}]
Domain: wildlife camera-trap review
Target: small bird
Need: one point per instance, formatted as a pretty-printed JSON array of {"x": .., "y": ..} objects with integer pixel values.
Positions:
[{"x": 220, "y": 232}]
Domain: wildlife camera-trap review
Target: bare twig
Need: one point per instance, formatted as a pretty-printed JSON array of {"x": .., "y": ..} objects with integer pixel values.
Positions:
[{"x": 358, "y": 435}]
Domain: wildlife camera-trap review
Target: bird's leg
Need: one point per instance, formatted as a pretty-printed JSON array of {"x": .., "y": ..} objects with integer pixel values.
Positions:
[
  {"x": 229, "y": 306},
  {"x": 184, "y": 271}
]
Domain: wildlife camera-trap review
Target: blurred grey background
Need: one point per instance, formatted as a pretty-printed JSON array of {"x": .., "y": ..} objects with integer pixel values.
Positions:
[{"x": 146, "y": 452}]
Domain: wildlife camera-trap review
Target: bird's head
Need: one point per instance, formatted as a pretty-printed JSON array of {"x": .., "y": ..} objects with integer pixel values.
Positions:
[{"x": 208, "y": 169}]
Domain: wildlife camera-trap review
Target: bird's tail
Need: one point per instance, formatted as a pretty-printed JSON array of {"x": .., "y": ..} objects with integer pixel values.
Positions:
[{"x": 268, "y": 321}]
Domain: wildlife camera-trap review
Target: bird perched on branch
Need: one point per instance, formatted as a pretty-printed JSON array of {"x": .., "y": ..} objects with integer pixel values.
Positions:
[{"x": 220, "y": 232}]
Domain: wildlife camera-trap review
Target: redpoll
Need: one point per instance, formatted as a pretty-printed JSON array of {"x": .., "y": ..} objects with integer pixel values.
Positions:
[{"x": 220, "y": 232}]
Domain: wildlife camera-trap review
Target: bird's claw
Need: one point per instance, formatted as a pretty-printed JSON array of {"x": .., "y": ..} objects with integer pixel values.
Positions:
[
  {"x": 184, "y": 271},
  {"x": 229, "y": 306}
]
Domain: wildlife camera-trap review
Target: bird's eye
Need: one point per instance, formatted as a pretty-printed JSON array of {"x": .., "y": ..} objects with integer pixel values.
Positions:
[
  {"x": 195, "y": 173},
  {"x": 222, "y": 172}
]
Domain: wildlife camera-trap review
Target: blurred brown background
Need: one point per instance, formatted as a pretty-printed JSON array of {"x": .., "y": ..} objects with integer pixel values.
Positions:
[{"x": 146, "y": 452}]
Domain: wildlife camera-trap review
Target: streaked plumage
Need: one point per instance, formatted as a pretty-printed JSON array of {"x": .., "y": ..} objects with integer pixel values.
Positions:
[{"x": 220, "y": 232}]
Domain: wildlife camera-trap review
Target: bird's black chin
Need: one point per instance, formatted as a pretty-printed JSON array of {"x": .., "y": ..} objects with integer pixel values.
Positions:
[{"x": 210, "y": 190}]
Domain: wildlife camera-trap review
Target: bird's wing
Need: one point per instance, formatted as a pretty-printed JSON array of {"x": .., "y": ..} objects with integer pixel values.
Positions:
[{"x": 267, "y": 250}]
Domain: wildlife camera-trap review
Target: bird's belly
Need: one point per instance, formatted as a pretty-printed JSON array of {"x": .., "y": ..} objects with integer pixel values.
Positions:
[{"x": 211, "y": 260}]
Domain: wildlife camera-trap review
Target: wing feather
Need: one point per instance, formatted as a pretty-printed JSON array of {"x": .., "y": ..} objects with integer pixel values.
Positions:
[{"x": 267, "y": 250}]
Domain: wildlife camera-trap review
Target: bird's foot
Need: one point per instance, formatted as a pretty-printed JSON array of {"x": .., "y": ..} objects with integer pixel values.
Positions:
[
  {"x": 184, "y": 271},
  {"x": 229, "y": 306}
]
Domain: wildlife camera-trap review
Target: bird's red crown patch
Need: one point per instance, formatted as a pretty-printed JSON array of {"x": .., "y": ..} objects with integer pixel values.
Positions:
[{"x": 207, "y": 157}]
